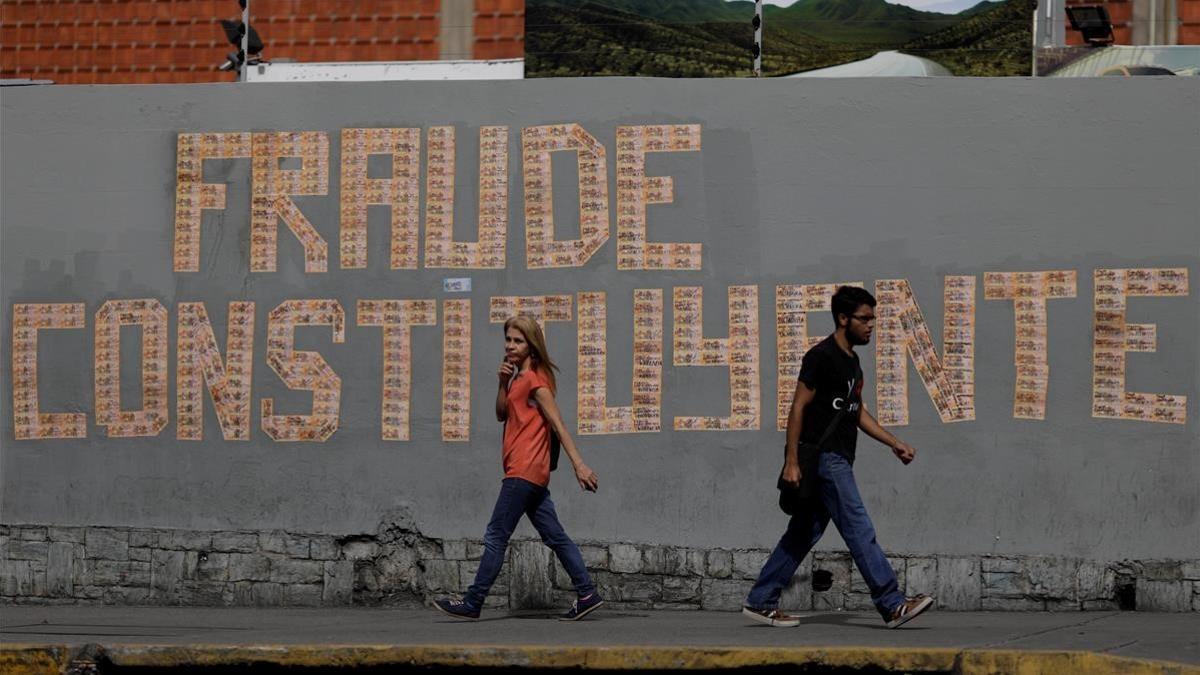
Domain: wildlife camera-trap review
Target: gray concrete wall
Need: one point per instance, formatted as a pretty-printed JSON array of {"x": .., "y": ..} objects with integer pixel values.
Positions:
[{"x": 809, "y": 182}]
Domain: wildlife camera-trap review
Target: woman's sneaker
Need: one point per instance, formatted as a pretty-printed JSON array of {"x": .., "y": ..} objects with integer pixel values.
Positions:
[
  {"x": 581, "y": 607},
  {"x": 771, "y": 617},
  {"x": 456, "y": 608},
  {"x": 908, "y": 610}
]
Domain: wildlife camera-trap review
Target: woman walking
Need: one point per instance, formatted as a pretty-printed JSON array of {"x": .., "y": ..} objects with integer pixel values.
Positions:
[{"x": 525, "y": 403}]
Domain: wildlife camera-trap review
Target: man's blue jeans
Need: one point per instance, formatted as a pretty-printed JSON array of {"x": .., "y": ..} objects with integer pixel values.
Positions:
[
  {"x": 841, "y": 503},
  {"x": 517, "y": 497}
]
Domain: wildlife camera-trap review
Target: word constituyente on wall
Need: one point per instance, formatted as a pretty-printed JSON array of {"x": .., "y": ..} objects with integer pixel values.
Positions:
[{"x": 202, "y": 368}]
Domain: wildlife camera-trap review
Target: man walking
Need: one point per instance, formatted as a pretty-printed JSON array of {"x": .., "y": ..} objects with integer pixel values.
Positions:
[{"x": 828, "y": 405}]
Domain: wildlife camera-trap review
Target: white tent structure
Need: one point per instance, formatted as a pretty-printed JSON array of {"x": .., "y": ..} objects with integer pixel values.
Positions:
[
  {"x": 883, "y": 64},
  {"x": 1124, "y": 60}
]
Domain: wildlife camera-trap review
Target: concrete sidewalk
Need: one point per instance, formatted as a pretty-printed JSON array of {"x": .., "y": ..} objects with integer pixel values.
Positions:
[{"x": 935, "y": 642}]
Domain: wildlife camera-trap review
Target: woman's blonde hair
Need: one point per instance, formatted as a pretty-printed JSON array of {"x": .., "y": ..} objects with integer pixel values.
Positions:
[{"x": 537, "y": 346}]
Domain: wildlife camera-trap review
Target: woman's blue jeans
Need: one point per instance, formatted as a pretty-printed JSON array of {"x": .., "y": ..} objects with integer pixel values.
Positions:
[{"x": 517, "y": 497}]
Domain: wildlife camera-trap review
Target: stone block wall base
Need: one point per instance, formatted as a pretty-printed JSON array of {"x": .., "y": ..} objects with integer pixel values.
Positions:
[{"x": 400, "y": 566}]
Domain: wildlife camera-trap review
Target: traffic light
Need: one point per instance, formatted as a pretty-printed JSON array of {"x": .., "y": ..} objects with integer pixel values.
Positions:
[
  {"x": 234, "y": 30},
  {"x": 1093, "y": 23}
]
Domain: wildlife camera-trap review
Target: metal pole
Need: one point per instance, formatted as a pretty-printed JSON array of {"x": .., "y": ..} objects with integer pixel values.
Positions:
[
  {"x": 1039, "y": 32},
  {"x": 1153, "y": 23},
  {"x": 758, "y": 15},
  {"x": 245, "y": 40},
  {"x": 1056, "y": 23}
]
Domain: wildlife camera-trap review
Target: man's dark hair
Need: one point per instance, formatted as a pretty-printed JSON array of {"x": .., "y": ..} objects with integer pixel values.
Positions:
[{"x": 847, "y": 300}]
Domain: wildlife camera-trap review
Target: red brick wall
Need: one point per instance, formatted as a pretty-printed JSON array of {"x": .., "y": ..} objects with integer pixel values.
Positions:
[
  {"x": 500, "y": 29},
  {"x": 1121, "y": 14},
  {"x": 1189, "y": 17},
  {"x": 122, "y": 41}
]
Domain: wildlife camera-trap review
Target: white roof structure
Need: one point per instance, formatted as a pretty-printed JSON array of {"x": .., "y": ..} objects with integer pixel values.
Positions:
[
  {"x": 382, "y": 71},
  {"x": 883, "y": 64},
  {"x": 1179, "y": 59}
]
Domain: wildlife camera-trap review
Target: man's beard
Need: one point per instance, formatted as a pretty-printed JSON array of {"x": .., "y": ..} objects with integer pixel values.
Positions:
[{"x": 858, "y": 340}]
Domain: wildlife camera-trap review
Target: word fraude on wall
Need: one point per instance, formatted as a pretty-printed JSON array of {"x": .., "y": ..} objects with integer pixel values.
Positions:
[{"x": 193, "y": 276}]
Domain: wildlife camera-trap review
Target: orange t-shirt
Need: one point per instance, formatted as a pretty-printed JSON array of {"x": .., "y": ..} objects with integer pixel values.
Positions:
[{"x": 526, "y": 432}]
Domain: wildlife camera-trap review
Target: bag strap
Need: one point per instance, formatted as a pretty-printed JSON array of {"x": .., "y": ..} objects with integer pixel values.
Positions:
[{"x": 832, "y": 425}]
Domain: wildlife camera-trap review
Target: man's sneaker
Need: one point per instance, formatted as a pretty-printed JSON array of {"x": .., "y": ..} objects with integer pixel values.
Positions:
[
  {"x": 771, "y": 617},
  {"x": 456, "y": 608},
  {"x": 582, "y": 607},
  {"x": 908, "y": 610}
]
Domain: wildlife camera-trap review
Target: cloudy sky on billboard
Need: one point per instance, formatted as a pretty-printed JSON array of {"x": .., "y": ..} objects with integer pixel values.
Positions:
[{"x": 925, "y": 5}]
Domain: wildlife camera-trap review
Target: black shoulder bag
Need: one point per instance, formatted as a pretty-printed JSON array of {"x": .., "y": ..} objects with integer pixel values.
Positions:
[
  {"x": 555, "y": 447},
  {"x": 792, "y": 500}
]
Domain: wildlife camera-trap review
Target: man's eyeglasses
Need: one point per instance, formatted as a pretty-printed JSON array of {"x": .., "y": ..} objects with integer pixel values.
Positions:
[{"x": 865, "y": 318}]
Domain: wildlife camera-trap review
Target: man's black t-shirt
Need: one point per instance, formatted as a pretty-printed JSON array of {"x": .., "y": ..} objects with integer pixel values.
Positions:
[{"x": 838, "y": 380}]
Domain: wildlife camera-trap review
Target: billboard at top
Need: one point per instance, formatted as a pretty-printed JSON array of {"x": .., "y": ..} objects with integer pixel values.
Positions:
[{"x": 833, "y": 38}]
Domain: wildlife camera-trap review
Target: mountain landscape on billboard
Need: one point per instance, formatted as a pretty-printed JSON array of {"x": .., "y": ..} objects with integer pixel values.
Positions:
[{"x": 713, "y": 38}]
